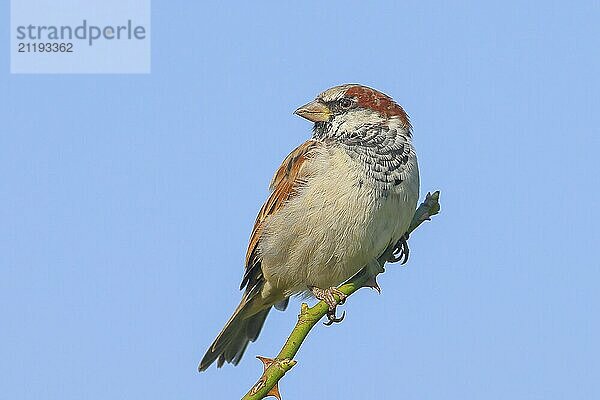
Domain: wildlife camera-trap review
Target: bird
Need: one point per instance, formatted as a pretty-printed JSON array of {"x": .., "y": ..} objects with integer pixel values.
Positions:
[{"x": 337, "y": 203}]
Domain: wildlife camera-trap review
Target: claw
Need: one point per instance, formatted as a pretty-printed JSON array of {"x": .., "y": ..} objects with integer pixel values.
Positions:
[
  {"x": 333, "y": 319},
  {"x": 327, "y": 295},
  {"x": 401, "y": 251}
]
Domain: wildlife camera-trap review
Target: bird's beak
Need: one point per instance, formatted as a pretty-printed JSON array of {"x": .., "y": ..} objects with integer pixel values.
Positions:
[{"x": 315, "y": 111}]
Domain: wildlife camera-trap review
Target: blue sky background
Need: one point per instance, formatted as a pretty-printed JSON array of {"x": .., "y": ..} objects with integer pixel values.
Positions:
[{"x": 127, "y": 201}]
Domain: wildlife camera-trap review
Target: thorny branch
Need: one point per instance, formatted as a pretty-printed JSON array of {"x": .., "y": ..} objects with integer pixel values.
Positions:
[{"x": 275, "y": 369}]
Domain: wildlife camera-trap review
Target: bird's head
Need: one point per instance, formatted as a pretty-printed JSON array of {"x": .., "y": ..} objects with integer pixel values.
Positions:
[{"x": 341, "y": 110}]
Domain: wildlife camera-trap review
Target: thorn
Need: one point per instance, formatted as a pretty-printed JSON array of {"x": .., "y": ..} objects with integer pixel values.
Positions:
[
  {"x": 266, "y": 362},
  {"x": 372, "y": 283},
  {"x": 275, "y": 390}
]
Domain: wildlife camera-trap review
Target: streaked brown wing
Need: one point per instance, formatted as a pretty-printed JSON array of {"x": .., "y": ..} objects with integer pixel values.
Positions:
[{"x": 289, "y": 176}]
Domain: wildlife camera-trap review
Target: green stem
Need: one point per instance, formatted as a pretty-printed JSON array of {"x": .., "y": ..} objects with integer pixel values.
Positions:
[{"x": 308, "y": 317}]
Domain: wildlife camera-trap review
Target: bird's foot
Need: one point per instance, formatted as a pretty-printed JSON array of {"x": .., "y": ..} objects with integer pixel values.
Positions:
[
  {"x": 401, "y": 251},
  {"x": 328, "y": 296}
]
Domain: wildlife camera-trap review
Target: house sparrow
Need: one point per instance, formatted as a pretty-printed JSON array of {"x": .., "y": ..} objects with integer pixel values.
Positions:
[{"x": 337, "y": 202}]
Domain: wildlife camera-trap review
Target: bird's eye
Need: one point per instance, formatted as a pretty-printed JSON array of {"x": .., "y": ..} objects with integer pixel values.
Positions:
[{"x": 345, "y": 103}]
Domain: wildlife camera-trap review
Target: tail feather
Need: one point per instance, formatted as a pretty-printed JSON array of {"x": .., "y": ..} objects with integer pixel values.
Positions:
[{"x": 243, "y": 327}]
